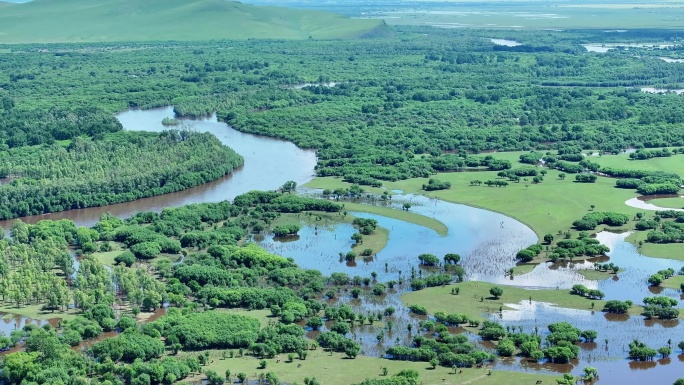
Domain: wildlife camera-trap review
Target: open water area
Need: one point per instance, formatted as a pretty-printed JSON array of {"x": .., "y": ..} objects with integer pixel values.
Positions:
[
  {"x": 268, "y": 164},
  {"x": 487, "y": 242}
]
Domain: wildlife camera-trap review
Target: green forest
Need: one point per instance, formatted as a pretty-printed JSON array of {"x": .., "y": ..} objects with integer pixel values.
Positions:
[{"x": 557, "y": 138}]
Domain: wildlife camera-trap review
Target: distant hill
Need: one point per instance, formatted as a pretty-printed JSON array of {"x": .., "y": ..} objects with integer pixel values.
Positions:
[{"x": 52, "y": 21}]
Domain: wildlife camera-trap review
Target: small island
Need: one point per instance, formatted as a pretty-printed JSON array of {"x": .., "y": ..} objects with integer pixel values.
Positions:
[{"x": 170, "y": 122}]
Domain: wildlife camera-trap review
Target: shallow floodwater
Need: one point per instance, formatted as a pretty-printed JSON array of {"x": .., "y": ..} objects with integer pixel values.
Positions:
[
  {"x": 670, "y": 60},
  {"x": 487, "y": 242},
  {"x": 603, "y": 48},
  {"x": 653, "y": 90},
  {"x": 609, "y": 358},
  {"x": 302, "y": 85},
  {"x": 597, "y": 48},
  {"x": 269, "y": 163},
  {"x": 10, "y": 322},
  {"x": 507, "y": 43},
  {"x": 644, "y": 205}
]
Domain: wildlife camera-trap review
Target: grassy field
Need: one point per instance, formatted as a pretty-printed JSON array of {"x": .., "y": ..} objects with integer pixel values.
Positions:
[
  {"x": 107, "y": 257},
  {"x": 468, "y": 300},
  {"x": 674, "y": 282},
  {"x": 662, "y": 250},
  {"x": 34, "y": 312},
  {"x": 548, "y": 207},
  {"x": 263, "y": 315},
  {"x": 405, "y": 216},
  {"x": 673, "y": 203},
  {"x": 45, "y": 21},
  {"x": 673, "y": 163},
  {"x": 596, "y": 275},
  {"x": 336, "y": 370},
  {"x": 524, "y": 268}
]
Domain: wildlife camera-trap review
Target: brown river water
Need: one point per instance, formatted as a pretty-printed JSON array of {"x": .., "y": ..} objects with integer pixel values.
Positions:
[{"x": 269, "y": 163}]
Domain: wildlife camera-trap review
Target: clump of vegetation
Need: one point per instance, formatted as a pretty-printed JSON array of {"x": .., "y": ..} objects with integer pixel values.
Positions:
[
  {"x": 285, "y": 230},
  {"x": 593, "y": 219},
  {"x": 170, "y": 122},
  {"x": 434, "y": 184}
]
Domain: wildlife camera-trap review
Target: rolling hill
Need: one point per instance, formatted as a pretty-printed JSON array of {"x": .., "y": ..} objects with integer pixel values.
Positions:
[{"x": 53, "y": 21}]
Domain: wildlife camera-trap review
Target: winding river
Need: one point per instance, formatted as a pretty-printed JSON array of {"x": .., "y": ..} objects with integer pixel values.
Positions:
[
  {"x": 487, "y": 242},
  {"x": 268, "y": 164}
]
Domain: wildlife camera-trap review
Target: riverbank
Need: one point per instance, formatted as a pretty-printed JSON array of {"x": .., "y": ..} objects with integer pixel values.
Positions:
[
  {"x": 35, "y": 312},
  {"x": 656, "y": 250},
  {"x": 328, "y": 221},
  {"x": 334, "y": 369},
  {"x": 475, "y": 301},
  {"x": 668, "y": 203},
  {"x": 547, "y": 207}
]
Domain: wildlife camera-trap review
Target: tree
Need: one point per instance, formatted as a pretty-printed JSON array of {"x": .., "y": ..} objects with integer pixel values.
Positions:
[
  {"x": 665, "y": 351},
  {"x": 352, "y": 350},
  {"x": 379, "y": 289},
  {"x": 242, "y": 377},
  {"x": 289, "y": 186},
  {"x": 406, "y": 206},
  {"x": 358, "y": 238},
  {"x": 656, "y": 279},
  {"x": 213, "y": 378},
  {"x": 127, "y": 258},
  {"x": 537, "y": 355},
  {"x": 589, "y": 335},
  {"x": 506, "y": 347},
  {"x": 496, "y": 292},
  {"x": 428, "y": 259},
  {"x": 452, "y": 259},
  {"x": 590, "y": 374},
  {"x": 314, "y": 322},
  {"x": 548, "y": 238}
]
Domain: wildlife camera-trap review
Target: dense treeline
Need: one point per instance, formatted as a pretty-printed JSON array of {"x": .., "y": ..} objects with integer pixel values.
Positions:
[
  {"x": 36, "y": 268},
  {"x": 123, "y": 167},
  {"x": 664, "y": 231},
  {"x": 401, "y": 108},
  {"x": 36, "y": 127},
  {"x": 371, "y": 124}
]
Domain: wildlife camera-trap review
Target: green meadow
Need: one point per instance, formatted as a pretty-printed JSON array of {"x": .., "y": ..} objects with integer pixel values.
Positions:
[{"x": 77, "y": 21}]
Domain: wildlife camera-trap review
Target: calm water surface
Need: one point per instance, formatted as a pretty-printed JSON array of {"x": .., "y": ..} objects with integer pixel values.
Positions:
[
  {"x": 486, "y": 241},
  {"x": 268, "y": 164}
]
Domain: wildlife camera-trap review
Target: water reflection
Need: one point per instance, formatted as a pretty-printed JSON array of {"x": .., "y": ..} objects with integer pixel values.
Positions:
[
  {"x": 268, "y": 164},
  {"x": 487, "y": 243}
]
